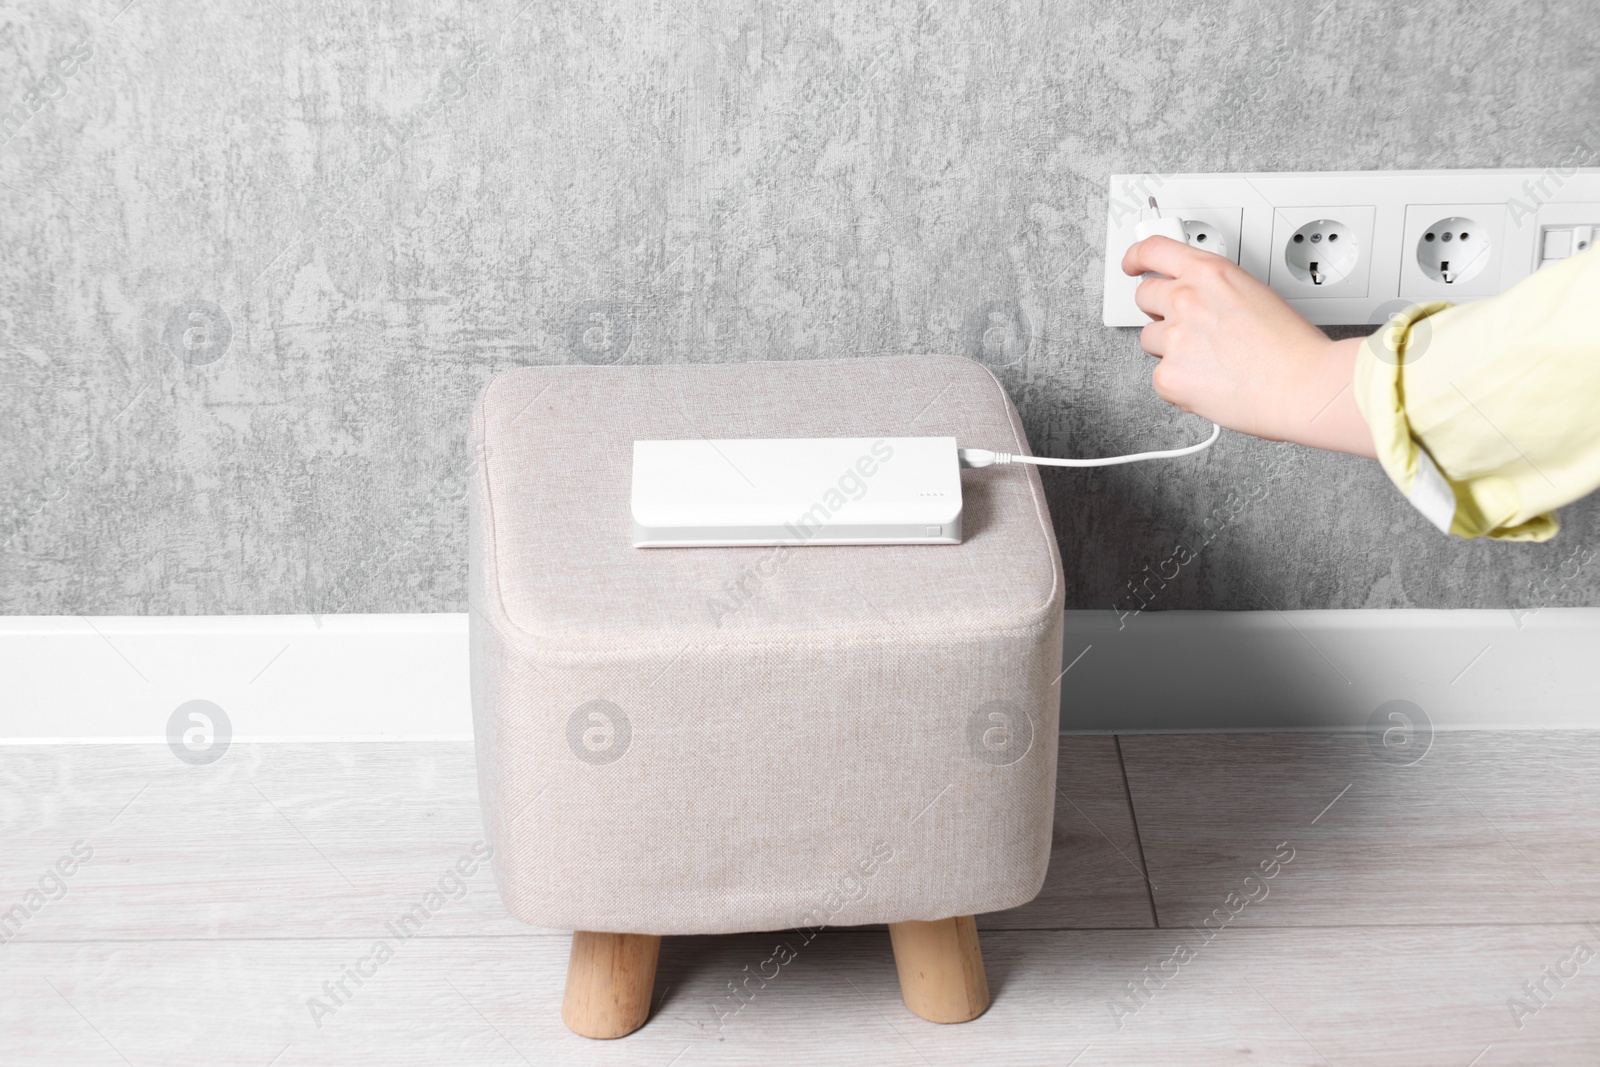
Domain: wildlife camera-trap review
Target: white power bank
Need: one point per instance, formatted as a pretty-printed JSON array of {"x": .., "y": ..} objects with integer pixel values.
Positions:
[{"x": 796, "y": 491}]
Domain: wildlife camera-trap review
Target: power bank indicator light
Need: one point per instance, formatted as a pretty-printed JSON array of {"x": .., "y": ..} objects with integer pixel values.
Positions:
[{"x": 935, "y": 531}]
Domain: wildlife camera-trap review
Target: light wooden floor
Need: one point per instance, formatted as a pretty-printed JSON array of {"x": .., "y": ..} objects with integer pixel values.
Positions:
[{"x": 1417, "y": 903}]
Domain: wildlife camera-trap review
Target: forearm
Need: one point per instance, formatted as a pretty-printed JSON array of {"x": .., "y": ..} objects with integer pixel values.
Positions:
[{"x": 1318, "y": 407}]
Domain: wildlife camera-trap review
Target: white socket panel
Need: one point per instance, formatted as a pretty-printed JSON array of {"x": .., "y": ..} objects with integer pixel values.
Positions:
[{"x": 1515, "y": 222}]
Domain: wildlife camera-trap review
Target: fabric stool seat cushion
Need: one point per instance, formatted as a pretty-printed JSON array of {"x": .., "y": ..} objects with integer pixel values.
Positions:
[{"x": 715, "y": 740}]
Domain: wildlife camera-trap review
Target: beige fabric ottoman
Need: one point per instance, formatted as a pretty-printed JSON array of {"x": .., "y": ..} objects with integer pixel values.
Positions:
[{"x": 712, "y": 740}]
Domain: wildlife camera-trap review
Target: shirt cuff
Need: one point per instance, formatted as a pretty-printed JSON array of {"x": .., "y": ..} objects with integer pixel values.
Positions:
[{"x": 1464, "y": 507}]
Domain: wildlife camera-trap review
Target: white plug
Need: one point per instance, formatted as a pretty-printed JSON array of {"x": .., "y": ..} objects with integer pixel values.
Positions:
[
  {"x": 1159, "y": 227},
  {"x": 1156, "y": 227}
]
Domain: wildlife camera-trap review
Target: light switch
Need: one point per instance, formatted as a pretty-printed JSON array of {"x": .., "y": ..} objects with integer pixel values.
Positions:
[{"x": 1561, "y": 241}]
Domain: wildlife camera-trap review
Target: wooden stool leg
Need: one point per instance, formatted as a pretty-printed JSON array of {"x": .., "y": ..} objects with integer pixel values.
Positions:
[
  {"x": 941, "y": 968},
  {"x": 610, "y": 980}
]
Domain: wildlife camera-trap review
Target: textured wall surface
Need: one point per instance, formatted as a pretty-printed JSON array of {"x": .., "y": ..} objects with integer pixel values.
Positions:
[{"x": 260, "y": 255}]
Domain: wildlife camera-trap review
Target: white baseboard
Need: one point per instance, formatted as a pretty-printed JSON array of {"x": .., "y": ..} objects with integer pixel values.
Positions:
[
  {"x": 118, "y": 679},
  {"x": 1237, "y": 671},
  {"x": 277, "y": 677}
]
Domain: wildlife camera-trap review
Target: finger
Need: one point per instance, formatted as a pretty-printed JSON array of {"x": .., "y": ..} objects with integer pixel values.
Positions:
[
  {"x": 1162, "y": 255},
  {"x": 1153, "y": 339},
  {"x": 1154, "y": 297},
  {"x": 1160, "y": 381},
  {"x": 1167, "y": 387}
]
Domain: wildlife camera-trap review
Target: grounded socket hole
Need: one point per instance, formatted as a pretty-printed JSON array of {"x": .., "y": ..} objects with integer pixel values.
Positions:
[
  {"x": 1202, "y": 235},
  {"x": 1469, "y": 253},
  {"x": 1318, "y": 239}
]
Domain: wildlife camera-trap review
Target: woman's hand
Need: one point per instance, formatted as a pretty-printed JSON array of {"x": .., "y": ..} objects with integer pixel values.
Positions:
[{"x": 1234, "y": 352}]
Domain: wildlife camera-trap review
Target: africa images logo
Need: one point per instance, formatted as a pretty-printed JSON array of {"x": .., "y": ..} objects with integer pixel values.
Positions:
[
  {"x": 999, "y": 733},
  {"x": 599, "y": 732},
  {"x": 1399, "y": 733},
  {"x": 199, "y": 732}
]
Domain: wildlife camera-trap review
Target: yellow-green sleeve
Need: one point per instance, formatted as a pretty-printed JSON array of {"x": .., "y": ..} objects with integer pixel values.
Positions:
[{"x": 1487, "y": 415}]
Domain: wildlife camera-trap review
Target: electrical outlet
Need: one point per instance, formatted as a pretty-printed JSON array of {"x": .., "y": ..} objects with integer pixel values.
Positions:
[
  {"x": 1213, "y": 229},
  {"x": 1347, "y": 265},
  {"x": 1322, "y": 252},
  {"x": 1452, "y": 251},
  {"x": 1210, "y": 229}
]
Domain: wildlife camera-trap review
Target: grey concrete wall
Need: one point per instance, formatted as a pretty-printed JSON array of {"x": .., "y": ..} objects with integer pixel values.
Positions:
[{"x": 260, "y": 255}]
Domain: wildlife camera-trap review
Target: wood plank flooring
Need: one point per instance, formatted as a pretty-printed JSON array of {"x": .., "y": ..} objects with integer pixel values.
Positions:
[
  {"x": 1306, "y": 903},
  {"x": 1486, "y": 828},
  {"x": 1361, "y": 996}
]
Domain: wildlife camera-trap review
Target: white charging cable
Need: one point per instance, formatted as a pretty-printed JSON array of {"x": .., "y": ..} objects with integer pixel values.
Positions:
[
  {"x": 1165, "y": 226},
  {"x": 982, "y": 457}
]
